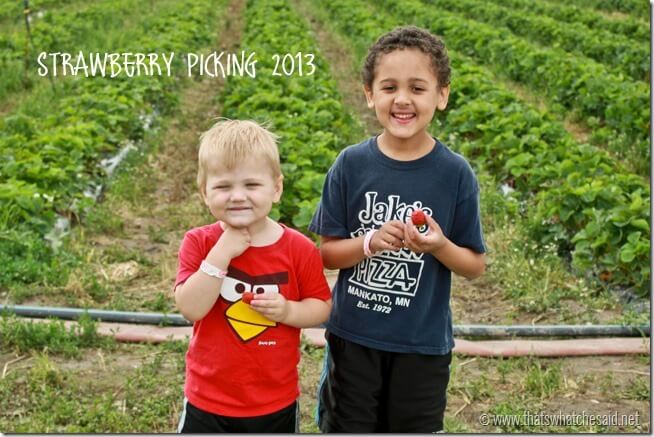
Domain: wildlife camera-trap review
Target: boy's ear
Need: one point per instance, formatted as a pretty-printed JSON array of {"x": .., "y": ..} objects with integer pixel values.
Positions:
[
  {"x": 279, "y": 188},
  {"x": 443, "y": 95},
  {"x": 368, "y": 92}
]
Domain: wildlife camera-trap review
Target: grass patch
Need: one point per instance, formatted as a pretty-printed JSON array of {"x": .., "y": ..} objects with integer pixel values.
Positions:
[
  {"x": 130, "y": 182},
  {"x": 631, "y": 317},
  {"x": 542, "y": 381},
  {"x": 454, "y": 425},
  {"x": 510, "y": 388},
  {"x": 311, "y": 365},
  {"x": 118, "y": 253},
  {"x": 160, "y": 303},
  {"x": 102, "y": 220},
  {"x": 639, "y": 389},
  {"x": 144, "y": 396},
  {"x": 534, "y": 281},
  {"x": 24, "y": 336}
]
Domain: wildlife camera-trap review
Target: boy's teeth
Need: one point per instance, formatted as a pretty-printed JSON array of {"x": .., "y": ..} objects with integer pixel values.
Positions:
[{"x": 404, "y": 116}]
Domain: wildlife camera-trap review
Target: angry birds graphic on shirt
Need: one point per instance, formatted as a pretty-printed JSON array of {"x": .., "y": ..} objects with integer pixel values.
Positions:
[{"x": 245, "y": 322}]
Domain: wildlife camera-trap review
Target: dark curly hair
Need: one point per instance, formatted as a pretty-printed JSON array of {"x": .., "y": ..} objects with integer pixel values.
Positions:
[{"x": 404, "y": 38}]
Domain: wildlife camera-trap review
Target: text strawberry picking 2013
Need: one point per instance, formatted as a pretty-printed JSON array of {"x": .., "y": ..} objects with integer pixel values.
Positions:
[{"x": 161, "y": 64}]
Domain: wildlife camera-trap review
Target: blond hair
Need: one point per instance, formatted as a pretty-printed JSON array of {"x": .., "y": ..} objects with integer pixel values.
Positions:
[{"x": 229, "y": 142}]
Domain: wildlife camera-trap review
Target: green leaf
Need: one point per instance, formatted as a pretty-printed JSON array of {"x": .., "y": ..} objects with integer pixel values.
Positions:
[
  {"x": 640, "y": 224},
  {"x": 627, "y": 254}
]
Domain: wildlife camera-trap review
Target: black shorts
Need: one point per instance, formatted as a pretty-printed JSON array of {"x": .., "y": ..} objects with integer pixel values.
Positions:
[
  {"x": 195, "y": 420},
  {"x": 364, "y": 390}
]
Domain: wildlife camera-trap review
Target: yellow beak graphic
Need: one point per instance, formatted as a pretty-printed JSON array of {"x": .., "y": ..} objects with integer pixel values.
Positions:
[{"x": 246, "y": 322}]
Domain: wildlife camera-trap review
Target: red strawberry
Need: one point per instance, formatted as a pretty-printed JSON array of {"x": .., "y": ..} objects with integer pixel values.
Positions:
[
  {"x": 247, "y": 297},
  {"x": 418, "y": 218}
]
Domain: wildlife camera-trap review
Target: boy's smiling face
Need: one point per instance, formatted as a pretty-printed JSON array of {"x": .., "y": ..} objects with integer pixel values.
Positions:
[
  {"x": 242, "y": 196},
  {"x": 405, "y": 95}
]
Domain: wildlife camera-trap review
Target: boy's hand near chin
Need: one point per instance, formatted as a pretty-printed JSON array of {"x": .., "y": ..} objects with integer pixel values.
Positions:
[
  {"x": 233, "y": 241},
  {"x": 273, "y": 306},
  {"x": 430, "y": 242}
]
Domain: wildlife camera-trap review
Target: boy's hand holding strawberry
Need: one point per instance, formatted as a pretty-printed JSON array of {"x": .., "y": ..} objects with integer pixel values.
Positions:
[
  {"x": 389, "y": 237},
  {"x": 431, "y": 241},
  {"x": 395, "y": 235},
  {"x": 272, "y": 306}
]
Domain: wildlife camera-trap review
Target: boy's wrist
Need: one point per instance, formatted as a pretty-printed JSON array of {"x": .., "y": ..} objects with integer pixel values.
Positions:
[
  {"x": 367, "y": 243},
  {"x": 437, "y": 250},
  {"x": 286, "y": 312},
  {"x": 219, "y": 260}
]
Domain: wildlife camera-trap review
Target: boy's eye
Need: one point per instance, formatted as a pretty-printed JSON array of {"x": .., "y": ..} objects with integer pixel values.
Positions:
[
  {"x": 418, "y": 89},
  {"x": 253, "y": 184},
  {"x": 388, "y": 88}
]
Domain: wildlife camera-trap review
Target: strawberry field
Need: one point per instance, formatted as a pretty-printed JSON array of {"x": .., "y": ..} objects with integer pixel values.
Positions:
[{"x": 550, "y": 103}]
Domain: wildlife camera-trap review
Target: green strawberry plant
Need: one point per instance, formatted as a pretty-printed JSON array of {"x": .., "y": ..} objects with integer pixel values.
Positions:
[{"x": 47, "y": 163}]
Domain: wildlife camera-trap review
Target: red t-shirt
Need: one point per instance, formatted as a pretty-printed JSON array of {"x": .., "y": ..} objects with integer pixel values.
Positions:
[{"x": 239, "y": 363}]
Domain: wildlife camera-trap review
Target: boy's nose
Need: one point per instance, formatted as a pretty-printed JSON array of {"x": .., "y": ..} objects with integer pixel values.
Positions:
[
  {"x": 238, "y": 195},
  {"x": 402, "y": 98}
]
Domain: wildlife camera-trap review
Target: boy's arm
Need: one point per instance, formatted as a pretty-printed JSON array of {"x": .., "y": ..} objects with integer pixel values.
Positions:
[
  {"x": 198, "y": 294},
  {"x": 304, "y": 313},
  {"x": 307, "y": 313},
  {"x": 461, "y": 260},
  {"x": 195, "y": 297},
  {"x": 341, "y": 253}
]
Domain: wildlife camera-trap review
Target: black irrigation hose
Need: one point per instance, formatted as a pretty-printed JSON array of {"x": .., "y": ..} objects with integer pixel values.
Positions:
[
  {"x": 459, "y": 330},
  {"x": 551, "y": 331},
  {"x": 104, "y": 315}
]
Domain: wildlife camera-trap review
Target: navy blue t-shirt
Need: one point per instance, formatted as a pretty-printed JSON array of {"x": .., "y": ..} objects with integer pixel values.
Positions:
[{"x": 397, "y": 301}]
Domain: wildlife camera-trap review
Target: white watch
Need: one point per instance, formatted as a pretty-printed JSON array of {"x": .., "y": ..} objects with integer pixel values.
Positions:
[{"x": 212, "y": 270}]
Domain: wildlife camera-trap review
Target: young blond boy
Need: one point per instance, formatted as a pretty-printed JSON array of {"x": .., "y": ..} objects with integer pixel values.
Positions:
[{"x": 241, "y": 365}]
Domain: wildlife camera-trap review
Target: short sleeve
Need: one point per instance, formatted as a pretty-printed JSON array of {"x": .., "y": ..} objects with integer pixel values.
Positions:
[
  {"x": 189, "y": 258},
  {"x": 330, "y": 218},
  {"x": 311, "y": 276},
  {"x": 466, "y": 228}
]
